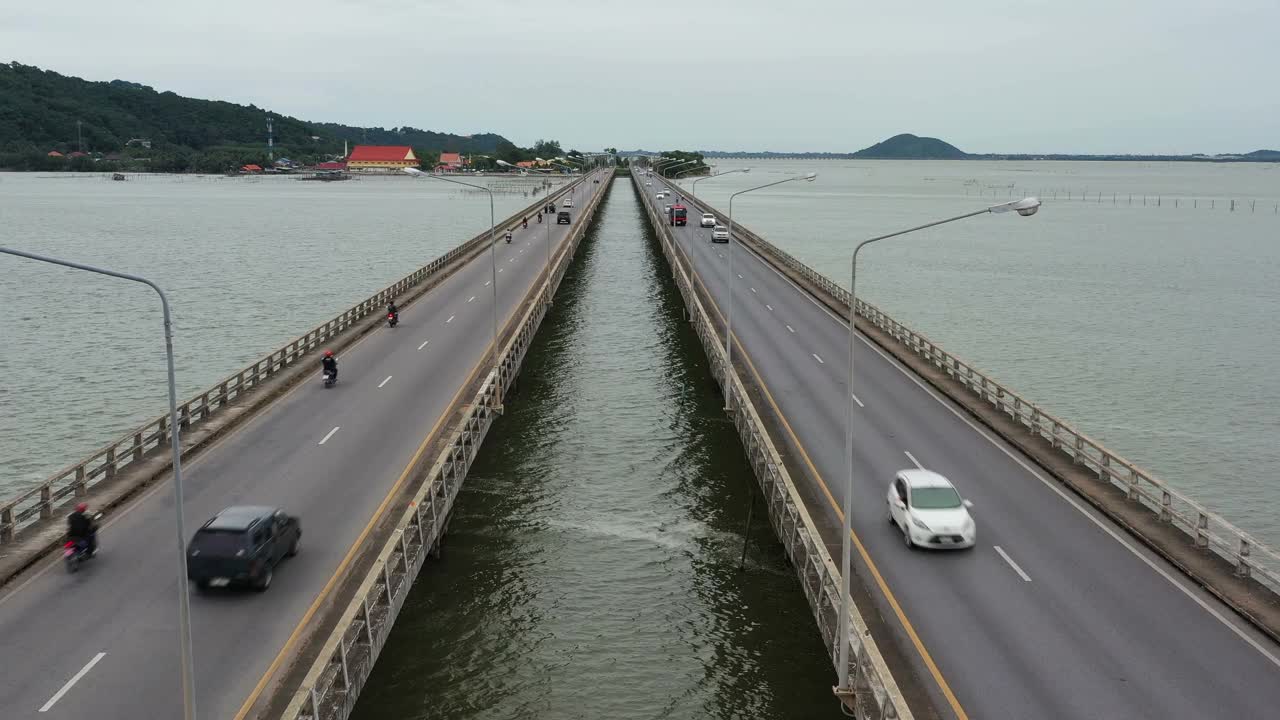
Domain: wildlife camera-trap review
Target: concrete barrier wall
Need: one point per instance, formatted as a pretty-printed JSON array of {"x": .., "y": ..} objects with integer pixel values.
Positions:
[
  {"x": 877, "y": 694},
  {"x": 332, "y": 684}
]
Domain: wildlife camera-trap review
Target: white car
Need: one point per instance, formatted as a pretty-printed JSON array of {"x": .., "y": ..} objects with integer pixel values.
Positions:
[
  {"x": 929, "y": 511},
  {"x": 720, "y": 234},
  {"x": 568, "y": 203},
  {"x": 648, "y": 183},
  {"x": 708, "y": 220},
  {"x": 666, "y": 209},
  {"x": 660, "y": 195}
]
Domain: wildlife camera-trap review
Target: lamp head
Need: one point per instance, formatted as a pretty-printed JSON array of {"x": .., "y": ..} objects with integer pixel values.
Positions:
[
  {"x": 412, "y": 171},
  {"x": 1025, "y": 207}
]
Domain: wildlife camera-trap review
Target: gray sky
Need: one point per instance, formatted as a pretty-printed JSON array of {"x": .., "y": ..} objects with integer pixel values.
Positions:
[{"x": 1084, "y": 76}]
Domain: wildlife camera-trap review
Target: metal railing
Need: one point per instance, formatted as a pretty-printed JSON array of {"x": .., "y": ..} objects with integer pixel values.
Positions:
[
  {"x": 333, "y": 683},
  {"x": 73, "y": 481},
  {"x": 1206, "y": 529},
  {"x": 878, "y": 696}
]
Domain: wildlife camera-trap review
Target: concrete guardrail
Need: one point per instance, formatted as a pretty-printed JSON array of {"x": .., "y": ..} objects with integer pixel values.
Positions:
[
  {"x": 333, "y": 683},
  {"x": 877, "y": 694}
]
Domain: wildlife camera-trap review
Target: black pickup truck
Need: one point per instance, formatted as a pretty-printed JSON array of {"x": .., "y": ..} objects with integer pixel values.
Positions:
[{"x": 241, "y": 546}]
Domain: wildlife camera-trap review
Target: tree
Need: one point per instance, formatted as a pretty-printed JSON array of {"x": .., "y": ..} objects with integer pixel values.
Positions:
[{"x": 547, "y": 149}]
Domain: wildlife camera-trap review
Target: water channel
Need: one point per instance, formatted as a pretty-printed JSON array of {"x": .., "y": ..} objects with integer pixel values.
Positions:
[{"x": 592, "y": 565}]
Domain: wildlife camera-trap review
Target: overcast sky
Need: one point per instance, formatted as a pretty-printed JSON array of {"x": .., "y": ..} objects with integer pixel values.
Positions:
[{"x": 1081, "y": 76}]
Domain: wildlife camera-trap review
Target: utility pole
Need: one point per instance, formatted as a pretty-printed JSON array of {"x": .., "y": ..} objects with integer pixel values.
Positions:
[
  {"x": 271, "y": 142},
  {"x": 79, "y": 138}
]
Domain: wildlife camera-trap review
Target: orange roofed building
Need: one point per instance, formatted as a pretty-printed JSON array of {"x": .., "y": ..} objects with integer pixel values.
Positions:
[
  {"x": 381, "y": 157},
  {"x": 451, "y": 160}
]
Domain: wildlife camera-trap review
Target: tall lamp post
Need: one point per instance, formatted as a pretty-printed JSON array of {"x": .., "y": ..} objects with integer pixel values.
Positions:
[
  {"x": 845, "y": 691},
  {"x": 175, "y": 444},
  {"x": 493, "y": 268},
  {"x": 728, "y": 327},
  {"x": 663, "y": 172}
]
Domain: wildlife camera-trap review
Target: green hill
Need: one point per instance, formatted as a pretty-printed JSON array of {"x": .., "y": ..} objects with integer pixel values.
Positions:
[
  {"x": 911, "y": 147},
  {"x": 39, "y": 110}
]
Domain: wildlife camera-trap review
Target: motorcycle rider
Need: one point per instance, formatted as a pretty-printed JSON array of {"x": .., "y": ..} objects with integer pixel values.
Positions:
[
  {"x": 393, "y": 311},
  {"x": 508, "y": 236},
  {"x": 80, "y": 528},
  {"x": 524, "y": 223},
  {"x": 330, "y": 364}
]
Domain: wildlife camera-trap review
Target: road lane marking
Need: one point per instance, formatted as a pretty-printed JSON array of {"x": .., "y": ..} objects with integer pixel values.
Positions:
[
  {"x": 740, "y": 276},
  {"x": 424, "y": 344},
  {"x": 913, "y": 459},
  {"x": 473, "y": 297},
  {"x": 329, "y": 434},
  {"x": 815, "y": 357},
  {"x": 791, "y": 328},
  {"x": 769, "y": 306},
  {"x": 1060, "y": 492},
  {"x": 855, "y": 399},
  {"x": 304, "y": 622},
  {"x": 499, "y": 269},
  {"x": 511, "y": 260},
  {"x": 881, "y": 583},
  {"x": 384, "y": 382},
  {"x": 1012, "y": 564},
  {"x": 74, "y": 679},
  {"x": 753, "y": 289},
  {"x": 486, "y": 283},
  {"x": 451, "y": 317}
]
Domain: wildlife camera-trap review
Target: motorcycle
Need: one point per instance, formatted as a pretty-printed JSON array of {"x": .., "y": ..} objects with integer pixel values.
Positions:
[
  {"x": 393, "y": 319},
  {"x": 76, "y": 551},
  {"x": 508, "y": 238},
  {"x": 330, "y": 378}
]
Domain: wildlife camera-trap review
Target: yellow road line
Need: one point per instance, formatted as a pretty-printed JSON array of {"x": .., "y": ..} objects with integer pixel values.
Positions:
[{"x": 866, "y": 557}]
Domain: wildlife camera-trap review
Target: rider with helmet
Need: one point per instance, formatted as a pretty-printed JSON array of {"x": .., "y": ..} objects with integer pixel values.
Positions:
[
  {"x": 81, "y": 528},
  {"x": 330, "y": 364}
]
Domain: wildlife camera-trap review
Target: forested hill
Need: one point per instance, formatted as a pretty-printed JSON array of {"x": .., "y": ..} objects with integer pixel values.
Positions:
[{"x": 39, "y": 110}]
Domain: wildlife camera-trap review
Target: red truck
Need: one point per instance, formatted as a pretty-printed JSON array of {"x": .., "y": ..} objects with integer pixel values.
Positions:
[{"x": 677, "y": 215}]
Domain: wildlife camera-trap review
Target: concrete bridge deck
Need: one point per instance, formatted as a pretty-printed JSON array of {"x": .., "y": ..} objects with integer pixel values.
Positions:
[
  {"x": 1057, "y": 612},
  {"x": 103, "y": 642}
]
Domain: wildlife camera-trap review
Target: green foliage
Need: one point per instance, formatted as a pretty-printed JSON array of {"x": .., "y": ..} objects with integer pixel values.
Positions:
[
  {"x": 681, "y": 162},
  {"x": 39, "y": 111}
]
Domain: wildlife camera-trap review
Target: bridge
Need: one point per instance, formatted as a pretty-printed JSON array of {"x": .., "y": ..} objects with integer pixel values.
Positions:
[
  {"x": 1063, "y": 609},
  {"x": 337, "y": 458},
  {"x": 1058, "y": 611}
]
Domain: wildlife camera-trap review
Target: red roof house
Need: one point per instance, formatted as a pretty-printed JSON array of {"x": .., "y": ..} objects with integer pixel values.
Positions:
[
  {"x": 250, "y": 168},
  {"x": 55, "y": 153},
  {"x": 331, "y": 166},
  {"x": 451, "y": 159},
  {"x": 381, "y": 157}
]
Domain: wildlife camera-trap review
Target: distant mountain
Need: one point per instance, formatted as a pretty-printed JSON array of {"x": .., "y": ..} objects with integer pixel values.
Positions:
[
  {"x": 1263, "y": 155},
  {"x": 911, "y": 147},
  {"x": 40, "y": 110}
]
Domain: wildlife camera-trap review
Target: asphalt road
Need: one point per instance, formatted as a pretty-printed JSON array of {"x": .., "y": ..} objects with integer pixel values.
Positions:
[
  {"x": 1055, "y": 613},
  {"x": 103, "y": 643}
]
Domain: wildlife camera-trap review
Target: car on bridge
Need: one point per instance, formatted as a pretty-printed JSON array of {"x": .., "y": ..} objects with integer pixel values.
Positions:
[
  {"x": 720, "y": 234},
  {"x": 929, "y": 511},
  {"x": 568, "y": 202},
  {"x": 562, "y": 217},
  {"x": 708, "y": 220},
  {"x": 241, "y": 546}
]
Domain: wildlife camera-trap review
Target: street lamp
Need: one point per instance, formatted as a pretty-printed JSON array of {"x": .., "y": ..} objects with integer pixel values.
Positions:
[
  {"x": 548, "y": 224},
  {"x": 728, "y": 328},
  {"x": 694, "y": 189},
  {"x": 493, "y": 267},
  {"x": 175, "y": 444},
  {"x": 1024, "y": 207},
  {"x": 663, "y": 172}
]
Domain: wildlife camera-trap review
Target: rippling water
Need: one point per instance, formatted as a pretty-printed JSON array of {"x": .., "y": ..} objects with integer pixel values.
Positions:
[
  {"x": 1151, "y": 327},
  {"x": 591, "y": 569},
  {"x": 248, "y": 264}
]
